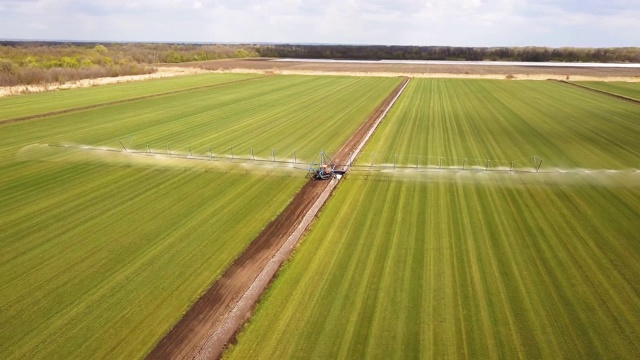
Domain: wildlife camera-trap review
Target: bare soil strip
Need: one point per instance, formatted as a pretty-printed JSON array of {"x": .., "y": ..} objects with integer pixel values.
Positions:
[
  {"x": 602, "y": 92},
  {"x": 463, "y": 71},
  {"x": 215, "y": 345},
  {"x": 353, "y": 155},
  {"x": 216, "y": 316},
  {"x": 110, "y": 103}
]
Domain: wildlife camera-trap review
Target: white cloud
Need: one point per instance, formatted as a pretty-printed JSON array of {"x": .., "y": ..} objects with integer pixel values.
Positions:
[{"x": 416, "y": 22}]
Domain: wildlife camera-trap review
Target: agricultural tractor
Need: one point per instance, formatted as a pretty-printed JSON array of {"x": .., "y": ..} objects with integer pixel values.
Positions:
[{"x": 325, "y": 169}]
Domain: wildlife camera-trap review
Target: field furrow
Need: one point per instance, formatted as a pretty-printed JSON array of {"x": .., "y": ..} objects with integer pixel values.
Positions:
[
  {"x": 83, "y": 269},
  {"x": 628, "y": 89},
  {"x": 284, "y": 113},
  {"x": 456, "y": 123},
  {"x": 416, "y": 269},
  {"x": 410, "y": 263},
  {"x": 102, "y": 253},
  {"x": 65, "y": 100}
]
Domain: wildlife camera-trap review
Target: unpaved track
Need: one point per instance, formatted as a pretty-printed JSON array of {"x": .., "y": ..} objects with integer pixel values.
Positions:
[
  {"x": 215, "y": 311},
  {"x": 460, "y": 71}
]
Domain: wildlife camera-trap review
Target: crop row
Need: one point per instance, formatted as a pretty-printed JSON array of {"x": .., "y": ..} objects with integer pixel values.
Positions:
[
  {"x": 313, "y": 113},
  {"x": 101, "y": 260},
  {"x": 414, "y": 269},
  {"x": 63, "y": 100},
  {"x": 628, "y": 89},
  {"x": 415, "y": 264},
  {"x": 100, "y": 257},
  {"x": 482, "y": 120}
]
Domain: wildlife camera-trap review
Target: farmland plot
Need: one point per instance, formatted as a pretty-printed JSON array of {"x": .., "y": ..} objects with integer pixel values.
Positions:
[
  {"x": 454, "y": 123},
  {"x": 629, "y": 89},
  {"x": 309, "y": 114},
  {"x": 409, "y": 263},
  {"x": 20, "y": 106},
  {"x": 486, "y": 268},
  {"x": 99, "y": 258}
]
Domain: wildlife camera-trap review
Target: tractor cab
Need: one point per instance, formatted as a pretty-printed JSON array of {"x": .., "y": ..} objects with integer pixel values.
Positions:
[
  {"x": 323, "y": 168},
  {"x": 324, "y": 172}
]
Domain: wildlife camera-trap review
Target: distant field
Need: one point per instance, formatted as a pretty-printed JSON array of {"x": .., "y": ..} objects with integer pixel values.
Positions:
[
  {"x": 419, "y": 67},
  {"x": 287, "y": 112},
  {"x": 482, "y": 120},
  {"x": 629, "y": 89},
  {"x": 19, "y": 106},
  {"x": 99, "y": 257},
  {"x": 477, "y": 266}
]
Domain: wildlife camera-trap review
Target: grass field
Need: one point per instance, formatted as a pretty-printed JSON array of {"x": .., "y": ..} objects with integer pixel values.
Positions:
[
  {"x": 100, "y": 261},
  {"x": 101, "y": 254},
  {"x": 467, "y": 264},
  {"x": 477, "y": 269},
  {"x": 99, "y": 258},
  {"x": 19, "y": 106},
  {"x": 501, "y": 120},
  {"x": 629, "y": 89},
  {"x": 307, "y": 113}
]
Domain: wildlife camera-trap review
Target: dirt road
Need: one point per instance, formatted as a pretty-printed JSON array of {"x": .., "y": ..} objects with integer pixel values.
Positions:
[
  {"x": 516, "y": 72},
  {"x": 213, "y": 310}
]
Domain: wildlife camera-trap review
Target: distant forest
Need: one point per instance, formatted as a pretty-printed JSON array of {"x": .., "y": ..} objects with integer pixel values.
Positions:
[
  {"x": 32, "y": 62},
  {"x": 28, "y": 63},
  {"x": 529, "y": 54}
]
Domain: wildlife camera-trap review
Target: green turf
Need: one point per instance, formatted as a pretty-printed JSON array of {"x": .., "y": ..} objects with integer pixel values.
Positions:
[
  {"x": 99, "y": 261},
  {"x": 410, "y": 263},
  {"x": 22, "y": 105},
  {"x": 482, "y": 120},
  {"x": 100, "y": 256},
  {"x": 309, "y": 114},
  {"x": 483, "y": 267},
  {"x": 628, "y": 89}
]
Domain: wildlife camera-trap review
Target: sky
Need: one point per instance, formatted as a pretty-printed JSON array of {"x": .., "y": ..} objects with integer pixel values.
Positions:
[{"x": 554, "y": 23}]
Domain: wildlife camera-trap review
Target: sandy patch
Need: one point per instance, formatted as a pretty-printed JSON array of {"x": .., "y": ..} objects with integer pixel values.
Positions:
[
  {"x": 163, "y": 72},
  {"x": 434, "y": 75},
  {"x": 461, "y": 71}
]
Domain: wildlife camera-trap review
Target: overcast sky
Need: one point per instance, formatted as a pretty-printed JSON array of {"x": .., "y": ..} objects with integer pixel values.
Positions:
[{"x": 556, "y": 23}]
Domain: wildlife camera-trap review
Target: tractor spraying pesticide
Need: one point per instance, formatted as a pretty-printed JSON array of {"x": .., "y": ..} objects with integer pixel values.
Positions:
[{"x": 325, "y": 168}]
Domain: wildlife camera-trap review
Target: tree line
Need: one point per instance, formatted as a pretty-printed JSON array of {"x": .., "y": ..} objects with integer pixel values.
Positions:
[
  {"x": 30, "y": 62},
  {"x": 527, "y": 54}
]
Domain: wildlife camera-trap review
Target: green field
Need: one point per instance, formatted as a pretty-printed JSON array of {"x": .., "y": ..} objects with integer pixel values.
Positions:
[
  {"x": 19, "y": 106},
  {"x": 305, "y": 113},
  {"x": 469, "y": 264},
  {"x": 101, "y": 252},
  {"x": 445, "y": 269},
  {"x": 100, "y": 256},
  {"x": 628, "y": 89},
  {"x": 484, "y": 120},
  {"x": 100, "y": 261}
]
